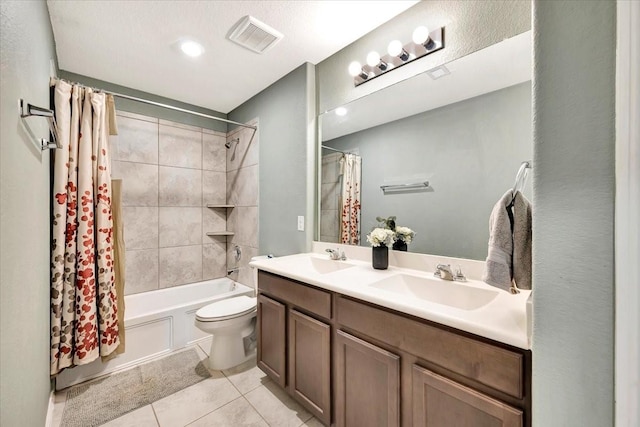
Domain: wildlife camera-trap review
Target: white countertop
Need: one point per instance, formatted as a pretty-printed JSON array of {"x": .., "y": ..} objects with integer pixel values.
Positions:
[{"x": 503, "y": 319}]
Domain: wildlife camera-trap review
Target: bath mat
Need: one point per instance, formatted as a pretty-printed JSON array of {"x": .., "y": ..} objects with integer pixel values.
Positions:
[{"x": 100, "y": 401}]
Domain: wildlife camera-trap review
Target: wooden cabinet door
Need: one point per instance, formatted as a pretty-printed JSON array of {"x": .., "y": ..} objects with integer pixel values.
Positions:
[
  {"x": 271, "y": 338},
  {"x": 440, "y": 402},
  {"x": 309, "y": 364},
  {"x": 368, "y": 384}
]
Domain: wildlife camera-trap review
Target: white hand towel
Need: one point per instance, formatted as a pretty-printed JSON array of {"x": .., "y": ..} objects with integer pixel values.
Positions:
[
  {"x": 522, "y": 242},
  {"x": 509, "y": 253},
  {"x": 498, "y": 265}
]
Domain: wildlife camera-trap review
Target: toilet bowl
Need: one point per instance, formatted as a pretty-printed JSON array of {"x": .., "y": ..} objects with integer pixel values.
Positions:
[{"x": 232, "y": 324}]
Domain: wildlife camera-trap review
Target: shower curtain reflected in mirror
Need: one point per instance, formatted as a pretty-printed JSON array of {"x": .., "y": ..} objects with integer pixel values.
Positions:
[
  {"x": 351, "y": 172},
  {"x": 341, "y": 176}
]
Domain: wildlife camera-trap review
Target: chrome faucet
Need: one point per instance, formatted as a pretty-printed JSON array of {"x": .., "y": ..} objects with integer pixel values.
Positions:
[
  {"x": 444, "y": 272},
  {"x": 334, "y": 254}
]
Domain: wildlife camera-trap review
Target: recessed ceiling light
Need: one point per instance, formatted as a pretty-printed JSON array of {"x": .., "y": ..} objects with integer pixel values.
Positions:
[
  {"x": 341, "y": 111},
  {"x": 191, "y": 48}
]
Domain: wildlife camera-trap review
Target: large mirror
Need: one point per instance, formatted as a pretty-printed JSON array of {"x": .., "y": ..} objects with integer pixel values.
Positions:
[{"x": 464, "y": 128}]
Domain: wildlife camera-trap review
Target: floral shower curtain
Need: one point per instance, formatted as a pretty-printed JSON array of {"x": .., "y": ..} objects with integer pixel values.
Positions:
[
  {"x": 84, "y": 321},
  {"x": 351, "y": 170}
]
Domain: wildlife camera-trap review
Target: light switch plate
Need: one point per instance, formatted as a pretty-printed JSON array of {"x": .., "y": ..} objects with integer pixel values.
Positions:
[{"x": 300, "y": 223}]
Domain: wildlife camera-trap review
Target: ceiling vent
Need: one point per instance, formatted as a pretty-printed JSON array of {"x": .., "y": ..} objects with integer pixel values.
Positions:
[{"x": 254, "y": 35}]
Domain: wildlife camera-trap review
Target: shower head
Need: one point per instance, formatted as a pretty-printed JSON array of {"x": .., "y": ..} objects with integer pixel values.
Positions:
[{"x": 228, "y": 144}]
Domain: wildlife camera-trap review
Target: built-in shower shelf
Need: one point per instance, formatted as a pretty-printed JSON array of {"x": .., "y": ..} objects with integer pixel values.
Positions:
[
  {"x": 221, "y": 206},
  {"x": 220, "y": 233}
]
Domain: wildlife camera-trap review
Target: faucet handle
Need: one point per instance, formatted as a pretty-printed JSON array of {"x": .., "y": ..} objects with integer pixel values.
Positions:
[
  {"x": 459, "y": 276},
  {"x": 334, "y": 254},
  {"x": 444, "y": 272}
]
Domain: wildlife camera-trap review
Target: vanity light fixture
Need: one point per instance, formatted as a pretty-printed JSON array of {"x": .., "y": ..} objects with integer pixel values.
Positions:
[
  {"x": 356, "y": 70},
  {"x": 424, "y": 42},
  {"x": 396, "y": 49}
]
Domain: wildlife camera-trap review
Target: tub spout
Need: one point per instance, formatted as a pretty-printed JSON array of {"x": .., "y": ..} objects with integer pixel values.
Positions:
[{"x": 232, "y": 270}]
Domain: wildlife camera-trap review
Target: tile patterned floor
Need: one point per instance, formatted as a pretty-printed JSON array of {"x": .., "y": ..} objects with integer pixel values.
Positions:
[{"x": 240, "y": 396}]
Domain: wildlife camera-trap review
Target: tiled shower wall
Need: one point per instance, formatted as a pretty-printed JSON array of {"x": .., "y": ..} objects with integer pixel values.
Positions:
[
  {"x": 170, "y": 173},
  {"x": 242, "y": 191},
  {"x": 330, "y": 198}
]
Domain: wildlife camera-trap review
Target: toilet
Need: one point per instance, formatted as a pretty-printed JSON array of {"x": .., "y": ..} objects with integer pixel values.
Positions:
[{"x": 232, "y": 322}]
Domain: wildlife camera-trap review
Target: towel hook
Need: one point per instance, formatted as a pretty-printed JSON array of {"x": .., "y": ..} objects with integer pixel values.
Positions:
[{"x": 521, "y": 176}]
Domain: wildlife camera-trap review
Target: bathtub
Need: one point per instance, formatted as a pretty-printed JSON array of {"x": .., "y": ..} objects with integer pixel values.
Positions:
[{"x": 157, "y": 323}]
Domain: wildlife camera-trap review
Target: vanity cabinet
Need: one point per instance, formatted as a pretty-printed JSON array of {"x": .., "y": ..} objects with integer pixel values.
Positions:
[
  {"x": 271, "y": 357},
  {"x": 302, "y": 353},
  {"x": 440, "y": 402},
  {"x": 367, "y": 383},
  {"x": 353, "y": 363},
  {"x": 310, "y": 363}
]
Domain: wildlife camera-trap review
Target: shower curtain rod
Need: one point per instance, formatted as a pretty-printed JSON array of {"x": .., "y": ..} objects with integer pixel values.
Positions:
[
  {"x": 334, "y": 149},
  {"x": 158, "y": 104}
]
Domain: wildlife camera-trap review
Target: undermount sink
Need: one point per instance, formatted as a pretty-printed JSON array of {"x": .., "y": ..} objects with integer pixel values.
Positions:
[
  {"x": 319, "y": 265},
  {"x": 437, "y": 291}
]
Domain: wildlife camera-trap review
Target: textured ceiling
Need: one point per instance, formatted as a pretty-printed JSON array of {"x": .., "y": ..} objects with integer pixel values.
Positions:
[{"x": 133, "y": 43}]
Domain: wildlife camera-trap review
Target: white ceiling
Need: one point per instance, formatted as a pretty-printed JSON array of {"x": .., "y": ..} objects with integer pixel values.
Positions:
[
  {"x": 132, "y": 43},
  {"x": 496, "y": 67}
]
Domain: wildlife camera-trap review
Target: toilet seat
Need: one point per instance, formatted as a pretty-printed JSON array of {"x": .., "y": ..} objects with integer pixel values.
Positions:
[{"x": 227, "y": 309}]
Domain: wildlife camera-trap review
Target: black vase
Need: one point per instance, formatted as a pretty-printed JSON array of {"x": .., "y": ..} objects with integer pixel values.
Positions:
[
  {"x": 400, "y": 245},
  {"x": 380, "y": 257}
]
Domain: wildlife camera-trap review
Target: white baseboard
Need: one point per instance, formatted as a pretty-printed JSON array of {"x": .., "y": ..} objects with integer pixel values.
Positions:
[{"x": 49, "y": 421}]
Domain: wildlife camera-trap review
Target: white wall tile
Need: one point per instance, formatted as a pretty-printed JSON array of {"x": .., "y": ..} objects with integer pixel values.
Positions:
[
  {"x": 139, "y": 183},
  {"x": 180, "y": 265},
  {"x": 242, "y": 186},
  {"x": 214, "y": 153},
  {"x": 214, "y": 260},
  {"x": 180, "y": 226},
  {"x": 140, "y": 227},
  {"x": 180, "y": 147},
  {"x": 137, "y": 141},
  {"x": 141, "y": 271},
  {"x": 214, "y": 187},
  {"x": 180, "y": 187}
]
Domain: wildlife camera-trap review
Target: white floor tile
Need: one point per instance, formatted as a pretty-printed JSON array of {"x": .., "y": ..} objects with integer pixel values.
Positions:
[
  {"x": 246, "y": 376},
  {"x": 142, "y": 417},
  {"x": 205, "y": 345},
  {"x": 235, "y": 414},
  {"x": 276, "y": 407},
  {"x": 193, "y": 402}
]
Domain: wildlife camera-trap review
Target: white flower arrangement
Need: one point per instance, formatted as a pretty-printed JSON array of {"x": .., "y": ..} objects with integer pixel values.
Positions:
[
  {"x": 404, "y": 233},
  {"x": 380, "y": 236}
]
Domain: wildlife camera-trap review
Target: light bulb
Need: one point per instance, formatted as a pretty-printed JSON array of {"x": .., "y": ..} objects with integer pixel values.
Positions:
[
  {"x": 395, "y": 48},
  {"x": 191, "y": 48},
  {"x": 341, "y": 111},
  {"x": 355, "y": 69},
  {"x": 373, "y": 58},
  {"x": 421, "y": 35}
]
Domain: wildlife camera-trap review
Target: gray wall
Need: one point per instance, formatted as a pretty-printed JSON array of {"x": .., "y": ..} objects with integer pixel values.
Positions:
[
  {"x": 574, "y": 181},
  {"x": 469, "y": 26},
  {"x": 469, "y": 151},
  {"x": 283, "y": 110},
  {"x": 123, "y": 104},
  {"x": 26, "y": 48}
]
